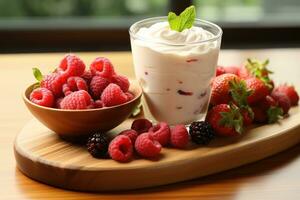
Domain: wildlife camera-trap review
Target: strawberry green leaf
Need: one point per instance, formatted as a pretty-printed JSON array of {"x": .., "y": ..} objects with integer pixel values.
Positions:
[
  {"x": 184, "y": 21},
  {"x": 259, "y": 70},
  {"x": 232, "y": 119},
  {"x": 37, "y": 74},
  {"x": 274, "y": 114}
]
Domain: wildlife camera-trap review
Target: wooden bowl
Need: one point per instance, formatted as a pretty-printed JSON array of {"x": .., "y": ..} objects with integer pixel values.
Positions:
[{"x": 76, "y": 124}]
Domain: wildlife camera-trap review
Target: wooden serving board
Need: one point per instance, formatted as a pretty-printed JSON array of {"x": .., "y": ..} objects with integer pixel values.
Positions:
[{"x": 43, "y": 156}]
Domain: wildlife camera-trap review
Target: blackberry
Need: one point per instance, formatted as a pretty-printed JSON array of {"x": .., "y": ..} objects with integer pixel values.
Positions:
[
  {"x": 97, "y": 145},
  {"x": 201, "y": 132}
]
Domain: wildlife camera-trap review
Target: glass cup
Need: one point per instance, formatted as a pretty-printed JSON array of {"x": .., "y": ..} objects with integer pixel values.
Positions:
[{"x": 175, "y": 78}]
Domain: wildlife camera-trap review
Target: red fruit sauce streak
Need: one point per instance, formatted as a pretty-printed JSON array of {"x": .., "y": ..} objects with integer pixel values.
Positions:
[
  {"x": 191, "y": 60},
  {"x": 181, "y": 92}
]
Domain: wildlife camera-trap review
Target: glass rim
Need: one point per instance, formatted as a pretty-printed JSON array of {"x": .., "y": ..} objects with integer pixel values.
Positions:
[{"x": 215, "y": 37}]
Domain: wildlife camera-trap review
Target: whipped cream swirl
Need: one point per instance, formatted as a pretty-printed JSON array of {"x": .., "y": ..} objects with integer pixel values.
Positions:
[
  {"x": 160, "y": 36},
  {"x": 161, "y": 32}
]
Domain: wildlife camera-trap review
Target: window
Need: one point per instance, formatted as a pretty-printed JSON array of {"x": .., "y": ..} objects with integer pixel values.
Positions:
[{"x": 72, "y": 25}]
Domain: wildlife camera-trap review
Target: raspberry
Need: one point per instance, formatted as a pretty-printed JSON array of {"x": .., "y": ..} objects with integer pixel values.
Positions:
[
  {"x": 71, "y": 65},
  {"x": 283, "y": 101},
  {"x": 179, "y": 136},
  {"x": 132, "y": 134},
  {"x": 57, "y": 102},
  {"x": 102, "y": 67},
  {"x": 54, "y": 83},
  {"x": 97, "y": 85},
  {"x": 87, "y": 76},
  {"x": 161, "y": 133},
  {"x": 76, "y": 100},
  {"x": 66, "y": 89},
  {"x": 121, "y": 81},
  {"x": 113, "y": 95},
  {"x": 141, "y": 125},
  {"x": 98, "y": 104},
  {"x": 146, "y": 146},
  {"x": 120, "y": 148},
  {"x": 42, "y": 97},
  {"x": 74, "y": 83},
  {"x": 77, "y": 83},
  {"x": 129, "y": 95}
]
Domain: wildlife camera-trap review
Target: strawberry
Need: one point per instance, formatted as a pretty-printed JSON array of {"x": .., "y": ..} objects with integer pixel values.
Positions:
[
  {"x": 255, "y": 68},
  {"x": 260, "y": 116},
  {"x": 282, "y": 100},
  {"x": 220, "y": 89},
  {"x": 226, "y": 120},
  {"x": 227, "y": 70},
  {"x": 247, "y": 116},
  {"x": 267, "y": 110},
  {"x": 290, "y": 92},
  {"x": 259, "y": 90}
]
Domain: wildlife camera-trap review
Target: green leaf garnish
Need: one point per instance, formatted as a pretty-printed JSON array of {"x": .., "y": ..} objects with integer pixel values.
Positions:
[
  {"x": 37, "y": 74},
  {"x": 184, "y": 21}
]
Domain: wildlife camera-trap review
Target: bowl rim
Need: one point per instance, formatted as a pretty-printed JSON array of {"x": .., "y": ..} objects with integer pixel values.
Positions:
[{"x": 140, "y": 92}]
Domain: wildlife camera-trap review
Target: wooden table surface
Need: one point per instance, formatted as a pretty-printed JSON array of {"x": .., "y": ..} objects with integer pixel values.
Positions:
[{"x": 277, "y": 177}]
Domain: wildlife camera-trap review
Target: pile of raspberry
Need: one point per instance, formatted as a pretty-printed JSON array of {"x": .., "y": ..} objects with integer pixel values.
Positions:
[
  {"x": 71, "y": 86},
  {"x": 144, "y": 138}
]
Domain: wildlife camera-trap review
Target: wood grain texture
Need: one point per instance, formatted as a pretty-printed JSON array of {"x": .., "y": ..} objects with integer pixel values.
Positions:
[
  {"x": 40, "y": 153},
  {"x": 273, "y": 178}
]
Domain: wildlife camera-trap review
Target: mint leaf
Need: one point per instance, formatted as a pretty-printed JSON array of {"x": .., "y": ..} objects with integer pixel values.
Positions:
[
  {"x": 37, "y": 74},
  {"x": 184, "y": 21}
]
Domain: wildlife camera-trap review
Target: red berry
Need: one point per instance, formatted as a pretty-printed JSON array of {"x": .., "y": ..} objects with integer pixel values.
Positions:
[
  {"x": 259, "y": 90},
  {"x": 77, "y": 83},
  {"x": 227, "y": 70},
  {"x": 98, "y": 104},
  {"x": 54, "y": 83},
  {"x": 260, "y": 115},
  {"x": 161, "y": 133},
  {"x": 129, "y": 95},
  {"x": 121, "y": 81},
  {"x": 179, "y": 137},
  {"x": 113, "y": 95},
  {"x": 290, "y": 92},
  {"x": 121, "y": 148},
  {"x": 146, "y": 146},
  {"x": 71, "y": 65},
  {"x": 87, "y": 76},
  {"x": 141, "y": 125},
  {"x": 74, "y": 83},
  {"x": 42, "y": 97},
  {"x": 76, "y": 100},
  {"x": 225, "y": 120},
  {"x": 220, "y": 70},
  {"x": 220, "y": 88},
  {"x": 132, "y": 134},
  {"x": 244, "y": 73},
  {"x": 97, "y": 85},
  {"x": 102, "y": 67},
  {"x": 247, "y": 117},
  {"x": 282, "y": 100},
  {"x": 57, "y": 102}
]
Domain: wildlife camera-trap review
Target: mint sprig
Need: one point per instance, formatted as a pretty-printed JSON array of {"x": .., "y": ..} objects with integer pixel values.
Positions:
[
  {"x": 184, "y": 21},
  {"x": 37, "y": 74}
]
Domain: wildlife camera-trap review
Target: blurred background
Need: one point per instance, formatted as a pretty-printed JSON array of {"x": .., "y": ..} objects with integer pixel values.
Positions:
[{"x": 102, "y": 25}]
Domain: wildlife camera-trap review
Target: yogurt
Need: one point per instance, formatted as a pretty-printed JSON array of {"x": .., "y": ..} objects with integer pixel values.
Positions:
[{"x": 175, "y": 70}]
